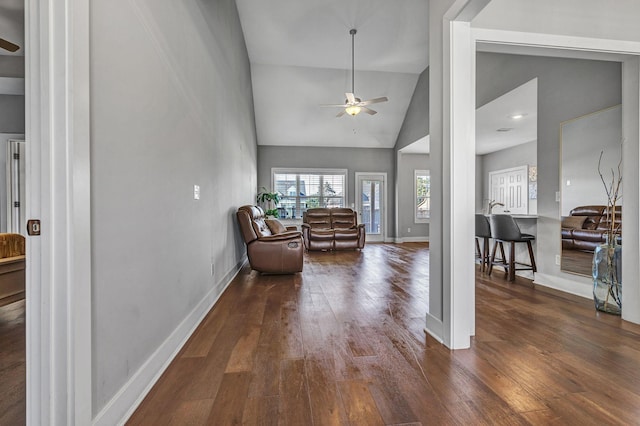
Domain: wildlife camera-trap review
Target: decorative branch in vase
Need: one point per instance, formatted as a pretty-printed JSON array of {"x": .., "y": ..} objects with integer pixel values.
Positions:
[{"x": 607, "y": 258}]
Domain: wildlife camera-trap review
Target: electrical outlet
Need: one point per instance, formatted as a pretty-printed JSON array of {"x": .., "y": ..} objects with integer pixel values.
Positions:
[
  {"x": 557, "y": 196},
  {"x": 196, "y": 192},
  {"x": 409, "y": 230},
  {"x": 558, "y": 259}
]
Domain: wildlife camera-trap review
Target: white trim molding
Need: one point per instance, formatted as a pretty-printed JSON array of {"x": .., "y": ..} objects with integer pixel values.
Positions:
[
  {"x": 579, "y": 287},
  {"x": 434, "y": 327},
  {"x": 358, "y": 204},
  {"x": 58, "y": 275}
]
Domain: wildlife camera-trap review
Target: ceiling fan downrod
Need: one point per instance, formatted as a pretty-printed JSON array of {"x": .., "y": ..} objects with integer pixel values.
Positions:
[{"x": 353, "y": 32}]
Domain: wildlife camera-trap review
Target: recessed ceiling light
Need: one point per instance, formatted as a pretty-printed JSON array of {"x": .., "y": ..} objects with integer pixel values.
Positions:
[
  {"x": 505, "y": 129},
  {"x": 517, "y": 116}
]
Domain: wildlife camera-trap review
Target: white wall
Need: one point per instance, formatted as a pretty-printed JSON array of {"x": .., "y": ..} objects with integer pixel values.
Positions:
[
  {"x": 582, "y": 18},
  {"x": 171, "y": 107}
]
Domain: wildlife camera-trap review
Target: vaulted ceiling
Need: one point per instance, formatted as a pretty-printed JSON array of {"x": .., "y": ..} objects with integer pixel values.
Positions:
[{"x": 300, "y": 53}]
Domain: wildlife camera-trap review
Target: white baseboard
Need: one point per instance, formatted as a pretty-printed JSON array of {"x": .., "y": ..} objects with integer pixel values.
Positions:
[
  {"x": 400, "y": 240},
  {"x": 434, "y": 328},
  {"x": 580, "y": 286},
  {"x": 126, "y": 400}
]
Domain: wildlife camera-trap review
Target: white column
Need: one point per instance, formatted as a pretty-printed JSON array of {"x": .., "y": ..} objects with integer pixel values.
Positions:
[{"x": 631, "y": 186}]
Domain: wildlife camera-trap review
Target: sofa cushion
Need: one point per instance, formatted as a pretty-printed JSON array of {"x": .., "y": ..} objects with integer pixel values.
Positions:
[
  {"x": 318, "y": 218},
  {"x": 322, "y": 234},
  {"x": 275, "y": 226},
  {"x": 342, "y": 218},
  {"x": 346, "y": 234},
  {"x": 573, "y": 222}
]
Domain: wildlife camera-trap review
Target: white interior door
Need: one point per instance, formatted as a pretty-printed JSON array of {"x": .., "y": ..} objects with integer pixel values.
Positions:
[
  {"x": 371, "y": 201},
  {"x": 510, "y": 188}
]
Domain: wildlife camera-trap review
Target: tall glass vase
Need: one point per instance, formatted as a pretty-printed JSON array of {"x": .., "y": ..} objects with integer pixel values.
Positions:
[{"x": 607, "y": 277}]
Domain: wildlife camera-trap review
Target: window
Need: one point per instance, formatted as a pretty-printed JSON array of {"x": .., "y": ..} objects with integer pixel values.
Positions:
[
  {"x": 302, "y": 189},
  {"x": 423, "y": 196}
]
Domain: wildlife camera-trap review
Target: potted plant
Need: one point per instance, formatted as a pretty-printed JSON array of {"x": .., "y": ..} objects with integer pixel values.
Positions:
[
  {"x": 607, "y": 257},
  {"x": 269, "y": 201}
]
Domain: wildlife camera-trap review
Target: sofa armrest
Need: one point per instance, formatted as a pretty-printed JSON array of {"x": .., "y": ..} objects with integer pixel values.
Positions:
[
  {"x": 281, "y": 237},
  {"x": 361, "y": 235}
]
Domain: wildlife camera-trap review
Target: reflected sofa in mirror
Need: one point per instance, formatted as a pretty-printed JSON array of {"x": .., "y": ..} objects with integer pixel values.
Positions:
[{"x": 583, "y": 198}]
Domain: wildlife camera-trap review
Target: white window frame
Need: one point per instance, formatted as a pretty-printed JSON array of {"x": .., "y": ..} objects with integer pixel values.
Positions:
[
  {"x": 302, "y": 170},
  {"x": 417, "y": 173}
]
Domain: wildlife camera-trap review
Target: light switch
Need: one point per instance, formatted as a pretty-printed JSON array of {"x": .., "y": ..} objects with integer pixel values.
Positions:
[{"x": 196, "y": 192}]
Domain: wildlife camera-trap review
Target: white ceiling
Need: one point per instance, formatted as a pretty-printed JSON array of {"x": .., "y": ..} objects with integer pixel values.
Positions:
[
  {"x": 12, "y": 24},
  {"x": 300, "y": 53},
  {"x": 498, "y": 113}
]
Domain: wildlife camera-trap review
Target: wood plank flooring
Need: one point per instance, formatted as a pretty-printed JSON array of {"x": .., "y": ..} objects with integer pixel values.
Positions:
[
  {"x": 343, "y": 344},
  {"x": 12, "y": 364}
]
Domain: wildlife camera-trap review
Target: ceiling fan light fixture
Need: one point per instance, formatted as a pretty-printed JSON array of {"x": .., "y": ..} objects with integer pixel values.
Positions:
[{"x": 353, "y": 110}]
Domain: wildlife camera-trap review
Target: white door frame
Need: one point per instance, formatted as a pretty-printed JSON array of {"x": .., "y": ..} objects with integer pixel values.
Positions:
[
  {"x": 385, "y": 208},
  {"x": 58, "y": 274}
]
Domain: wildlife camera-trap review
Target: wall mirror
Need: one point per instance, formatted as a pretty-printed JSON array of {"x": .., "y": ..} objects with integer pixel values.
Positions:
[{"x": 583, "y": 197}]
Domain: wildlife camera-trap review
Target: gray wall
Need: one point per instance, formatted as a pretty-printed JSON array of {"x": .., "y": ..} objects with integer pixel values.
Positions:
[
  {"x": 567, "y": 88},
  {"x": 11, "y": 66},
  {"x": 414, "y": 127},
  {"x": 416, "y": 121},
  {"x": 11, "y": 106},
  {"x": 479, "y": 184},
  {"x": 518, "y": 155},
  {"x": 171, "y": 107},
  {"x": 352, "y": 159},
  {"x": 12, "y": 122},
  {"x": 12, "y": 113},
  {"x": 582, "y": 141},
  {"x": 407, "y": 164}
]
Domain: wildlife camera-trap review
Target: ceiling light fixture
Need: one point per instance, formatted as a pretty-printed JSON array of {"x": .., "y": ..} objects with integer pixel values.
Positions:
[
  {"x": 517, "y": 116},
  {"x": 353, "y": 110}
]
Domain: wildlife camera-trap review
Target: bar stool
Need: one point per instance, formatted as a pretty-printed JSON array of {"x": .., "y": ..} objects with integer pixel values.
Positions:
[
  {"x": 483, "y": 230},
  {"x": 505, "y": 230}
]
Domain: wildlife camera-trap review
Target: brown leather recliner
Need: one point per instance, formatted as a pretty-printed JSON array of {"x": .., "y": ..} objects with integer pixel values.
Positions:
[
  {"x": 271, "y": 247},
  {"x": 586, "y": 227},
  {"x": 332, "y": 229}
]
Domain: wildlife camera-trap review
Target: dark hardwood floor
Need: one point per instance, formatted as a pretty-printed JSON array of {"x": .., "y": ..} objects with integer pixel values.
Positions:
[
  {"x": 343, "y": 343},
  {"x": 12, "y": 364}
]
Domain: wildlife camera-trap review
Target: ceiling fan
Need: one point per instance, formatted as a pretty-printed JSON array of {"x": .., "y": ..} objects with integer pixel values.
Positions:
[
  {"x": 352, "y": 105},
  {"x": 7, "y": 45}
]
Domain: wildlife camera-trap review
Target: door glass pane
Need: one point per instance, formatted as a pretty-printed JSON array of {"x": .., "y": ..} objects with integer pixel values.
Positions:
[{"x": 371, "y": 195}]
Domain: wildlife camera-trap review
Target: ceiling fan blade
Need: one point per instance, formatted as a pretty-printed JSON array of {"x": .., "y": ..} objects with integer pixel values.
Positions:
[
  {"x": 351, "y": 98},
  {"x": 374, "y": 101},
  {"x": 341, "y": 113},
  {"x": 7, "y": 45},
  {"x": 335, "y": 105},
  {"x": 369, "y": 111}
]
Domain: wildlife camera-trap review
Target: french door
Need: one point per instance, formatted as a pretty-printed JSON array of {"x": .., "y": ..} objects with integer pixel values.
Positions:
[{"x": 371, "y": 200}]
